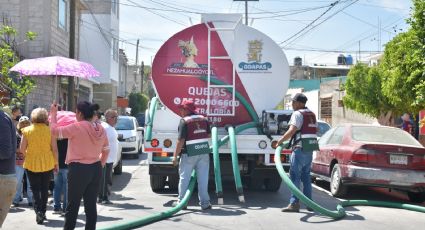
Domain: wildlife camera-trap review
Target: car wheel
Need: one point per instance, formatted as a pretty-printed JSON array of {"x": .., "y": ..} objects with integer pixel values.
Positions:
[
  {"x": 338, "y": 189},
  {"x": 157, "y": 182},
  {"x": 118, "y": 168},
  {"x": 416, "y": 197}
]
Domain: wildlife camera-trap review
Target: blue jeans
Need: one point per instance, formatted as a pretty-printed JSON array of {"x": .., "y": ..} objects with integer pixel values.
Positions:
[
  {"x": 20, "y": 171},
  {"x": 201, "y": 164},
  {"x": 300, "y": 172},
  {"x": 61, "y": 181}
]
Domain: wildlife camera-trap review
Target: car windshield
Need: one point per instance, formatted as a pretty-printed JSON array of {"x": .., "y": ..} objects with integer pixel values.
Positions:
[
  {"x": 124, "y": 124},
  {"x": 322, "y": 128},
  {"x": 383, "y": 134}
]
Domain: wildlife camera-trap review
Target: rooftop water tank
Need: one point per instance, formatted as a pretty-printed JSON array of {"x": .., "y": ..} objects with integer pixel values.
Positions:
[
  {"x": 341, "y": 60},
  {"x": 349, "y": 60},
  {"x": 298, "y": 61}
]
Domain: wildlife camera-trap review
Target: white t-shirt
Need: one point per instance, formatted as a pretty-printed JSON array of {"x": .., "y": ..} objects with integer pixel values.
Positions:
[
  {"x": 297, "y": 119},
  {"x": 113, "y": 142}
]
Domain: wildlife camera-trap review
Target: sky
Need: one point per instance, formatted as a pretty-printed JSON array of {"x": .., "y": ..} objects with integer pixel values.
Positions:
[{"x": 315, "y": 30}]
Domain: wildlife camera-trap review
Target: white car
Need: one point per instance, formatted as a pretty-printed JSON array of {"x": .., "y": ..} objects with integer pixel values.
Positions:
[
  {"x": 118, "y": 163},
  {"x": 129, "y": 135}
]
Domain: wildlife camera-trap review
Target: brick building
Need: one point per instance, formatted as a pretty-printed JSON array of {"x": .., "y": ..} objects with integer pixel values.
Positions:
[{"x": 50, "y": 19}]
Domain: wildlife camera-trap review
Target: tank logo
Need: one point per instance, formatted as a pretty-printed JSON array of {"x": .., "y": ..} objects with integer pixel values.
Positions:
[
  {"x": 189, "y": 66},
  {"x": 254, "y": 58}
]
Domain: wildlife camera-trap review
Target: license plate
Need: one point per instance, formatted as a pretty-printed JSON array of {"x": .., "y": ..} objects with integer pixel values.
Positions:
[{"x": 398, "y": 159}]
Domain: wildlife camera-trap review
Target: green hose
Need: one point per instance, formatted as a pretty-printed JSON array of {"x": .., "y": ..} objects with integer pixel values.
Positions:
[
  {"x": 149, "y": 123},
  {"x": 217, "y": 170},
  {"x": 340, "y": 212},
  {"x": 244, "y": 102},
  {"x": 238, "y": 129},
  {"x": 157, "y": 216},
  {"x": 235, "y": 164},
  {"x": 216, "y": 145}
]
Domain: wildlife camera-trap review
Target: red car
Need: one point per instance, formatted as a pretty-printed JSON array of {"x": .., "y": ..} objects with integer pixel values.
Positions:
[{"x": 369, "y": 155}]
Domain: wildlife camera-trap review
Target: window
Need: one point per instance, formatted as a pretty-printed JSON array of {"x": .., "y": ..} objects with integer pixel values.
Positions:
[
  {"x": 124, "y": 124},
  {"x": 382, "y": 134},
  {"x": 337, "y": 136},
  {"x": 115, "y": 7},
  {"x": 115, "y": 49},
  {"x": 62, "y": 14},
  {"x": 324, "y": 139}
]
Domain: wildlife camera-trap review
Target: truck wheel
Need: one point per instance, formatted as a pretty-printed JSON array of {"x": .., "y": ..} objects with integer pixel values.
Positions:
[
  {"x": 157, "y": 182},
  {"x": 256, "y": 183},
  {"x": 173, "y": 182},
  {"x": 272, "y": 183},
  {"x": 118, "y": 168},
  {"x": 338, "y": 189},
  {"x": 416, "y": 197}
]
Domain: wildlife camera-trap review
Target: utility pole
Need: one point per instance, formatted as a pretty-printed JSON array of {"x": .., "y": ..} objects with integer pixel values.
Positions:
[
  {"x": 137, "y": 62},
  {"x": 360, "y": 57},
  {"x": 142, "y": 74},
  {"x": 246, "y": 8},
  {"x": 71, "y": 84}
]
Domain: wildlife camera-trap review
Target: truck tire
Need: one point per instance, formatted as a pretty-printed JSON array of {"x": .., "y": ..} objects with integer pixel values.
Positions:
[
  {"x": 173, "y": 182},
  {"x": 118, "y": 168},
  {"x": 416, "y": 197},
  {"x": 256, "y": 183},
  {"x": 272, "y": 184},
  {"x": 157, "y": 182},
  {"x": 338, "y": 189}
]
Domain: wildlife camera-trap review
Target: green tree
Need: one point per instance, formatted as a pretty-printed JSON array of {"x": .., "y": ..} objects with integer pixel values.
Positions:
[
  {"x": 9, "y": 56},
  {"x": 364, "y": 94},
  {"x": 404, "y": 64},
  {"x": 397, "y": 85},
  {"x": 137, "y": 102}
]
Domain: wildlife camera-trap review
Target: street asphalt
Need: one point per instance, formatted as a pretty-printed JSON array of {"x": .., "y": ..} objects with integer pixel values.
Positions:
[{"x": 133, "y": 199}]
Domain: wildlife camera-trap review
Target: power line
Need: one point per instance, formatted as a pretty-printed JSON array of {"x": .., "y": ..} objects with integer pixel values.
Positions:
[
  {"x": 365, "y": 22},
  {"x": 330, "y": 50},
  {"x": 324, "y": 20},
  {"x": 99, "y": 27},
  {"x": 306, "y": 27},
  {"x": 162, "y": 16},
  {"x": 114, "y": 36}
]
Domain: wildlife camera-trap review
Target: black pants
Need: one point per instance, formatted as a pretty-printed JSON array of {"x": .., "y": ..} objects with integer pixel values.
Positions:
[
  {"x": 39, "y": 182},
  {"x": 106, "y": 182},
  {"x": 83, "y": 182}
]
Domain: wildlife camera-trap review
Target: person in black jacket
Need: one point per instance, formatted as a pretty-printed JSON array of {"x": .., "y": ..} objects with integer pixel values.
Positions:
[{"x": 7, "y": 164}]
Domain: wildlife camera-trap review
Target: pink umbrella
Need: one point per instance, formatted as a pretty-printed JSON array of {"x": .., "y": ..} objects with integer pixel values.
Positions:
[
  {"x": 65, "y": 118},
  {"x": 55, "y": 66}
]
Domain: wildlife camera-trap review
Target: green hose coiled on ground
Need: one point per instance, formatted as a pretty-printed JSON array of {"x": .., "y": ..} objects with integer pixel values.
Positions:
[
  {"x": 149, "y": 123},
  {"x": 340, "y": 212},
  {"x": 157, "y": 216}
]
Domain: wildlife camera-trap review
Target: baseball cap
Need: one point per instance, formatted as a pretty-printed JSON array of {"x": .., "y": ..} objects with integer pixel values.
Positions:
[
  {"x": 300, "y": 98},
  {"x": 188, "y": 105},
  {"x": 24, "y": 118}
]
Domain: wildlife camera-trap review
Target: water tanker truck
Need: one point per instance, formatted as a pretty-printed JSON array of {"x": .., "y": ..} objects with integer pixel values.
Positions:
[{"x": 235, "y": 75}]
